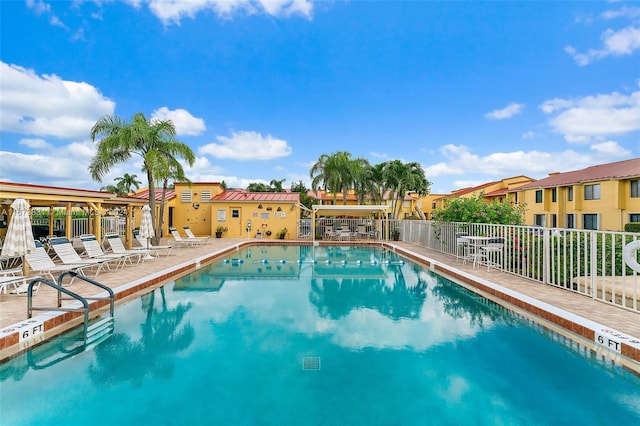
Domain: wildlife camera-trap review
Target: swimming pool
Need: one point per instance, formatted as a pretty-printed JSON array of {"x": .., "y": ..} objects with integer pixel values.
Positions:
[{"x": 319, "y": 336}]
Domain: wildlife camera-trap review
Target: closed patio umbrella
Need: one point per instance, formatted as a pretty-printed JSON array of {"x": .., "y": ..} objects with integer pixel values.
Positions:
[
  {"x": 19, "y": 238},
  {"x": 146, "y": 226}
]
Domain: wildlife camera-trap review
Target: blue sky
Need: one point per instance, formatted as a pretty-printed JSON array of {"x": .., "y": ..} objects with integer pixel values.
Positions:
[{"x": 473, "y": 91}]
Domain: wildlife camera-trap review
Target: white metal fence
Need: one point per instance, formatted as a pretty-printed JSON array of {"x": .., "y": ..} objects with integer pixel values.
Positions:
[
  {"x": 110, "y": 225},
  {"x": 583, "y": 261}
]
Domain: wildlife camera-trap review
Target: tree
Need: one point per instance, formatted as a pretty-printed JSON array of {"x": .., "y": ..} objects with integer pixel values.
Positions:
[
  {"x": 477, "y": 210},
  {"x": 127, "y": 182},
  {"x": 305, "y": 199},
  {"x": 334, "y": 173},
  {"x": 401, "y": 178},
  {"x": 153, "y": 140}
]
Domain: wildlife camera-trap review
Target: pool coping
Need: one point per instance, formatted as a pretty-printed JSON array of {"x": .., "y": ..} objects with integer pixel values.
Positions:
[{"x": 603, "y": 340}]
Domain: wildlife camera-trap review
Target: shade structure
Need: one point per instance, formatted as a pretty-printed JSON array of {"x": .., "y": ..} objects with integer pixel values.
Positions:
[
  {"x": 146, "y": 227},
  {"x": 19, "y": 238}
]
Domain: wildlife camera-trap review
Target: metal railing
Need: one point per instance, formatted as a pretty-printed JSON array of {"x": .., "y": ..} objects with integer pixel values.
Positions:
[
  {"x": 80, "y": 226},
  {"x": 583, "y": 261}
]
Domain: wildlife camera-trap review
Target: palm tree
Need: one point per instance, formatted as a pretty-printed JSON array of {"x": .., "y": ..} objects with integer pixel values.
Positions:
[
  {"x": 402, "y": 178},
  {"x": 127, "y": 182},
  {"x": 165, "y": 169},
  {"x": 333, "y": 173},
  {"x": 276, "y": 185},
  {"x": 152, "y": 140}
]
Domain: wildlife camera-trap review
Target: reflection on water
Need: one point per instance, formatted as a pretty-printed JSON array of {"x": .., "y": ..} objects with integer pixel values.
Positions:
[{"x": 162, "y": 337}]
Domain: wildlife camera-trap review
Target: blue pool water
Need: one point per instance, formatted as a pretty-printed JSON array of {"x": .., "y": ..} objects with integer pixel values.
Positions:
[{"x": 317, "y": 336}]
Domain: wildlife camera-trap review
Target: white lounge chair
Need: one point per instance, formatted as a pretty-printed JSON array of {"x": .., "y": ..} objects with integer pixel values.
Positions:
[
  {"x": 15, "y": 281},
  {"x": 154, "y": 249},
  {"x": 139, "y": 253},
  {"x": 69, "y": 256},
  {"x": 40, "y": 263},
  {"x": 190, "y": 235},
  {"x": 184, "y": 242},
  {"x": 94, "y": 250}
]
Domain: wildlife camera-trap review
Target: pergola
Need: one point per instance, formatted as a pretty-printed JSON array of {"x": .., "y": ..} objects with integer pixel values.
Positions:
[{"x": 349, "y": 211}]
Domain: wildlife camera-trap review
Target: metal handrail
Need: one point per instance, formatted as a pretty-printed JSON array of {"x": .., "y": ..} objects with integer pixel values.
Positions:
[{"x": 60, "y": 289}]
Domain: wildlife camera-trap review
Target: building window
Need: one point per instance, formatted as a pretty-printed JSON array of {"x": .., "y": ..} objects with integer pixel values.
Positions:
[
  {"x": 433, "y": 206},
  {"x": 205, "y": 196},
  {"x": 554, "y": 195},
  {"x": 538, "y": 196},
  {"x": 570, "y": 193},
  {"x": 590, "y": 221},
  {"x": 634, "y": 217},
  {"x": 554, "y": 221},
  {"x": 539, "y": 220},
  {"x": 235, "y": 213},
  {"x": 592, "y": 192},
  {"x": 185, "y": 196},
  {"x": 635, "y": 188},
  {"x": 571, "y": 221}
]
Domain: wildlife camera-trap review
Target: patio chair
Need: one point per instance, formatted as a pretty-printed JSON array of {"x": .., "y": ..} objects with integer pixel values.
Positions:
[
  {"x": 116, "y": 245},
  {"x": 69, "y": 256},
  {"x": 492, "y": 252},
  {"x": 184, "y": 242},
  {"x": 12, "y": 281},
  {"x": 94, "y": 250},
  {"x": 40, "y": 263},
  {"x": 154, "y": 249},
  {"x": 190, "y": 235}
]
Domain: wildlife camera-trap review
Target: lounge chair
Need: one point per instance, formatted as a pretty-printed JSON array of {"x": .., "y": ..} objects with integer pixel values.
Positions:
[
  {"x": 184, "y": 242},
  {"x": 12, "y": 281},
  {"x": 94, "y": 250},
  {"x": 191, "y": 236},
  {"x": 40, "y": 263},
  {"x": 153, "y": 249},
  {"x": 69, "y": 256},
  {"x": 118, "y": 247}
]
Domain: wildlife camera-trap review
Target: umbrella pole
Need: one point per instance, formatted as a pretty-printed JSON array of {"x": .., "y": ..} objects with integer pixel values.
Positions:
[{"x": 25, "y": 267}]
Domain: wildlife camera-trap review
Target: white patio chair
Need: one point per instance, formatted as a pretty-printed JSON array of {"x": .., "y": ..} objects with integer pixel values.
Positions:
[
  {"x": 69, "y": 256},
  {"x": 40, "y": 263},
  {"x": 93, "y": 249},
  {"x": 190, "y": 235},
  {"x": 184, "y": 242},
  {"x": 154, "y": 249},
  {"x": 492, "y": 253},
  {"x": 116, "y": 245}
]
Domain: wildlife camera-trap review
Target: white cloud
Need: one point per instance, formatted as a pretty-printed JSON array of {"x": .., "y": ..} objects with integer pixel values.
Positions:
[
  {"x": 174, "y": 11},
  {"x": 630, "y": 12},
  {"x": 34, "y": 143},
  {"x": 528, "y": 135},
  {"x": 614, "y": 43},
  {"x": 247, "y": 146},
  {"x": 186, "y": 124},
  {"x": 582, "y": 119},
  {"x": 70, "y": 111},
  {"x": 507, "y": 112}
]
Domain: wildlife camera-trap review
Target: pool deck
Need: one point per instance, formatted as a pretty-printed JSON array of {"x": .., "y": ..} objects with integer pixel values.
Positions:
[{"x": 574, "y": 312}]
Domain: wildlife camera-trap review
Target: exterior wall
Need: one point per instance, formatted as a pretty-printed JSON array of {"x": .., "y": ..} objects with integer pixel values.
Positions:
[
  {"x": 192, "y": 208},
  {"x": 264, "y": 216}
]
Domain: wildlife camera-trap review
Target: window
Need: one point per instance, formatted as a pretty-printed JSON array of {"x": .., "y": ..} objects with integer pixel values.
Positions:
[
  {"x": 205, "y": 196},
  {"x": 635, "y": 188},
  {"x": 554, "y": 221},
  {"x": 235, "y": 213},
  {"x": 185, "y": 196},
  {"x": 539, "y": 196},
  {"x": 592, "y": 192},
  {"x": 539, "y": 220},
  {"x": 571, "y": 221},
  {"x": 554, "y": 195},
  {"x": 634, "y": 217},
  {"x": 570, "y": 193},
  {"x": 590, "y": 221}
]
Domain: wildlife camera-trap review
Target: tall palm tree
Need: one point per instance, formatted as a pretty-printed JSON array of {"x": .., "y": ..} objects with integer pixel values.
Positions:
[
  {"x": 165, "y": 169},
  {"x": 127, "y": 182},
  {"x": 402, "y": 178},
  {"x": 333, "y": 173},
  {"x": 152, "y": 140},
  {"x": 276, "y": 185}
]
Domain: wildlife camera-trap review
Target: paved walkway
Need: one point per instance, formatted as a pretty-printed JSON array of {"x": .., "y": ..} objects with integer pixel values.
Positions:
[{"x": 13, "y": 308}]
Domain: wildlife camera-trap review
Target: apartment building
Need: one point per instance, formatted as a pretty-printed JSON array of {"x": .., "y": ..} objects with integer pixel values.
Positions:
[{"x": 602, "y": 197}]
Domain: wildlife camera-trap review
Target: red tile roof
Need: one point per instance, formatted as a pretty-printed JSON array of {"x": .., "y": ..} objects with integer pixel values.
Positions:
[
  {"x": 627, "y": 169},
  {"x": 143, "y": 194},
  {"x": 244, "y": 196}
]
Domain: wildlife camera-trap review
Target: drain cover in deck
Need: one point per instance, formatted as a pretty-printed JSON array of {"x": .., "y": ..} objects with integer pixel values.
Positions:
[{"x": 311, "y": 363}]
